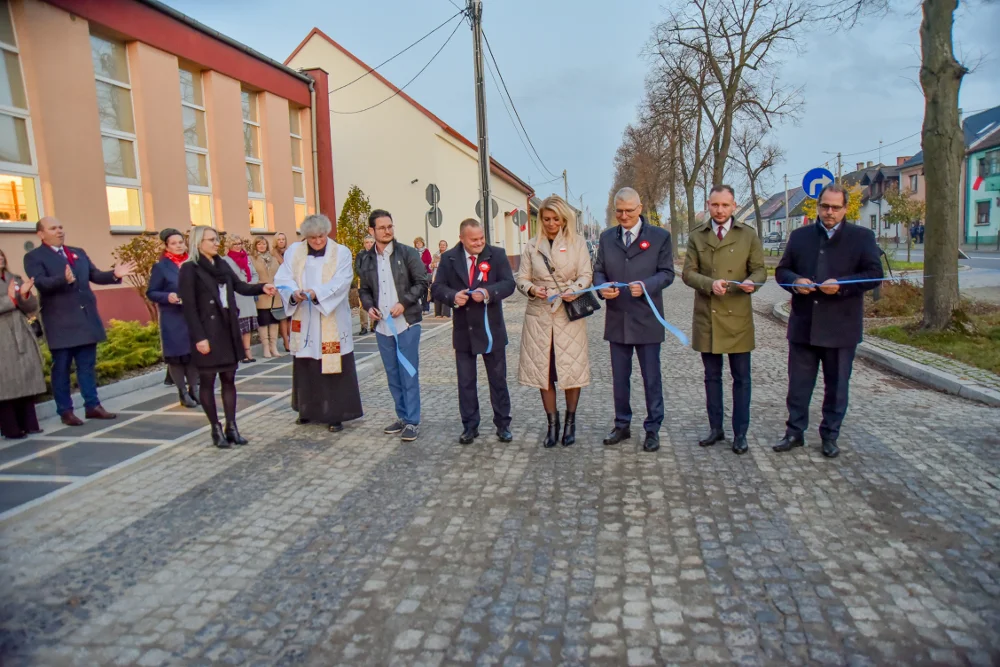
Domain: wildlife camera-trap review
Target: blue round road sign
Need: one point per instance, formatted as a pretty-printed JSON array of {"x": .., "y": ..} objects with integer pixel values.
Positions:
[{"x": 815, "y": 180}]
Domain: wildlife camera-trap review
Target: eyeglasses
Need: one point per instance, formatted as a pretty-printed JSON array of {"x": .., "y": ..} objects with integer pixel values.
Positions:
[
  {"x": 626, "y": 211},
  {"x": 387, "y": 228},
  {"x": 831, "y": 207}
]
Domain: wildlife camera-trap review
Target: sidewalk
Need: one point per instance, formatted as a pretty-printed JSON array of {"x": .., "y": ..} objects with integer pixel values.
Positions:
[{"x": 64, "y": 458}]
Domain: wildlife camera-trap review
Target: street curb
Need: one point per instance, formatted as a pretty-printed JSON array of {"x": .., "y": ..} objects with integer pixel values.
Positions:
[{"x": 925, "y": 375}]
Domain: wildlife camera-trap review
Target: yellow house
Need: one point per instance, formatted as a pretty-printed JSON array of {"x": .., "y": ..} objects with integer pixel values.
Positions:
[{"x": 396, "y": 149}]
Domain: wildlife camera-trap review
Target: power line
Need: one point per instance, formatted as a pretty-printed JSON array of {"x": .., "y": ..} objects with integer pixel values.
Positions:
[
  {"x": 385, "y": 62},
  {"x": 497, "y": 86},
  {"x": 401, "y": 89},
  {"x": 500, "y": 74}
]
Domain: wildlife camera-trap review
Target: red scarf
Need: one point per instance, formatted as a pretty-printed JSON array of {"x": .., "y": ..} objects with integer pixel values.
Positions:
[
  {"x": 242, "y": 260},
  {"x": 176, "y": 259}
]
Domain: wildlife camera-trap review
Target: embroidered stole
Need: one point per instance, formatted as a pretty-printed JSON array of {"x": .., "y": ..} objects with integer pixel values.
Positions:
[{"x": 329, "y": 332}]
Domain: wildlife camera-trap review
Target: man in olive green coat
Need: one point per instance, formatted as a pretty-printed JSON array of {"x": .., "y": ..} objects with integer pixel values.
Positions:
[{"x": 725, "y": 265}]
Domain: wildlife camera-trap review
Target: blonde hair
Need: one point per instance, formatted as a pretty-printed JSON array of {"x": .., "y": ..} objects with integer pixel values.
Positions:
[
  {"x": 420, "y": 240},
  {"x": 253, "y": 247},
  {"x": 557, "y": 205},
  {"x": 197, "y": 235}
]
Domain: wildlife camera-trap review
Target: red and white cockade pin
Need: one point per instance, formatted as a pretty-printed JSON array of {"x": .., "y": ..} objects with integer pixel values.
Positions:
[
  {"x": 644, "y": 245},
  {"x": 484, "y": 268}
]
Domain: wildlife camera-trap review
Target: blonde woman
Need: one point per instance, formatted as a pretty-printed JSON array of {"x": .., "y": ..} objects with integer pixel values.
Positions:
[
  {"x": 284, "y": 324},
  {"x": 554, "y": 349},
  {"x": 265, "y": 264}
]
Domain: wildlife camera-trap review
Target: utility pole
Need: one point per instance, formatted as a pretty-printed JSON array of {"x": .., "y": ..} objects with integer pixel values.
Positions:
[
  {"x": 788, "y": 218},
  {"x": 565, "y": 187},
  {"x": 839, "y": 167},
  {"x": 475, "y": 10},
  {"x": 582, "y": 220}
]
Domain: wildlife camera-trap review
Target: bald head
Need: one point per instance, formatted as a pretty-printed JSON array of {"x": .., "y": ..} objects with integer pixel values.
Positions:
[{"x": 50, "y": 231}]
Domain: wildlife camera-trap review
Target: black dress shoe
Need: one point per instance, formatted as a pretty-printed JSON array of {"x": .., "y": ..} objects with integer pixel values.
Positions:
[
  {"x": 788, "y": 442},
  {"x": 651, "y": 443},
  {"x": 233, "y": 434},
  {"x": 468, "y": 435},
  {"x": 504, "y": 435},
  {"x": 335, "y": 428},
  {"x": 618, "y": 435},
  {"x": 569, "y": 429},
  {"x": 300, "y": 421},
  {"x": 740, "y": 445},
  {"x": 717, "y": 435},
  {"x": 552, "y": 436},
  {"x": 830, "y": 449},
  {"x": 219, "y": 437}
]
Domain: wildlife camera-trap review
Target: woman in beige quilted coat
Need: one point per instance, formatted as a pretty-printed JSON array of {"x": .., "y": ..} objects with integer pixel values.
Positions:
[{"x": 554, "y": 349}]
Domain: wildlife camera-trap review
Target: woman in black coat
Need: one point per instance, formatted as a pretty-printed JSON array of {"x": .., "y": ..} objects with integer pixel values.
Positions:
[
  {"x": 174, "y": 337},
  {"x": 208, "y": 289}
]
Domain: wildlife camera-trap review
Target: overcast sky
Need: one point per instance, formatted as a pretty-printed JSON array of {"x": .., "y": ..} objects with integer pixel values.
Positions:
[{"x": 575, "y": 71}]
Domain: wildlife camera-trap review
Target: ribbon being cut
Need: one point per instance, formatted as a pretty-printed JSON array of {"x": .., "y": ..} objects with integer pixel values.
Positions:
[{"x": 674, "y": 331}]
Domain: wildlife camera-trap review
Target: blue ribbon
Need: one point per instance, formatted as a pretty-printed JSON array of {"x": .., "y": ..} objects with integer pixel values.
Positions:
[
  {"x": 677, "y": 333},
  {"x": 835, "y": 282},
  {"x": 403, "y": 361},
  {"x": 486, "y": 322}
]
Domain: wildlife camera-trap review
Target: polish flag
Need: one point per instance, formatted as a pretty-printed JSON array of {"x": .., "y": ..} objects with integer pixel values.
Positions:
[{"x": 977, "y": 183}]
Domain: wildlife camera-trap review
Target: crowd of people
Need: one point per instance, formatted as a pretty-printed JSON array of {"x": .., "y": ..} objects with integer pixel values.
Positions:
[{"x": 211, "y": 301}]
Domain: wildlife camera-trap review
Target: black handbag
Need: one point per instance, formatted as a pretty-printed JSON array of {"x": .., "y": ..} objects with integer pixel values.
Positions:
[{"x": 584, "y": 305}]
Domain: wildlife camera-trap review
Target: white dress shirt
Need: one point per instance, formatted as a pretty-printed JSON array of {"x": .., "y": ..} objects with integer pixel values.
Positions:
[
  {"x": 634, "y": 231},
  {"x": 387, "y": 295},
  {"x": 725, "y": 227}
]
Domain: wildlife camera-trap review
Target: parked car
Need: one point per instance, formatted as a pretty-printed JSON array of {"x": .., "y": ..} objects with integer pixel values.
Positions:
[{"x": 772, "y": 241}]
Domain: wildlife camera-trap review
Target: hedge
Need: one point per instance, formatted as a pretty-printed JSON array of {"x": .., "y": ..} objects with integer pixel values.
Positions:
[{"x": 130, "y": 346}]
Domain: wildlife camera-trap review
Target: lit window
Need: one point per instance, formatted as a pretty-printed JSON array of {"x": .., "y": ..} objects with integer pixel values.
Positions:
[
  {"x": 114, "y": 107},
  {"x": 298, "y": 174},
  {"x": 254, "y": 161},
  {"x": 18, "y": 172},
  {"x": 196, "y": 147}
]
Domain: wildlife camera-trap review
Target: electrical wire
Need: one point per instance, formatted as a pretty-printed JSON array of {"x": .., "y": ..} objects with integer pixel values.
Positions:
[
  {"x": 403, "y": 87},
  {"x": 385, "y": 62},
  {"x": 516, "y": 131},
  {"x": 526, "y": 135}
]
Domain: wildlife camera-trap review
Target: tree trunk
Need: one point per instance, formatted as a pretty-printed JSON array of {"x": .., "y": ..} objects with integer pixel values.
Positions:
[
  {"x": 675, "y": 224},
  {"x": 909, "y": 242},
  {"x": 944, "y": 147},
  {"x": 756, "y": 210},
  {"x": 689, "y": 192}
]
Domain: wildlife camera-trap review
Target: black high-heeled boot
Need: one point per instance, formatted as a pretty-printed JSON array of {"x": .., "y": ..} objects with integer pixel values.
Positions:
[
  {"x": 552, "y": 437},
  {"x": 569, "y": 429},
  {"x": 218, "y": 437},
  {"x": 186, "y": 400},
  {"x": 233, "y": 434}
]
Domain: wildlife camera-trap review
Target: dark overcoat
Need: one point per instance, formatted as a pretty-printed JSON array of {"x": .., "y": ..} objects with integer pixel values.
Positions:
[
  {"x": 163, "y": 281},
  {"x": 829, "y": 320},
  {"x": 408, "y": 273},
  {"x": 650, "y": 259},
  {"x": 205, "y": 316},
  {"x": 69, "y": 310},
  {"x": 468, "y": 322}
]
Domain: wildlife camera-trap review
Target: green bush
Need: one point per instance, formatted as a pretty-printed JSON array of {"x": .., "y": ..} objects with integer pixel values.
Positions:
[{"x": 130, "y": 346}]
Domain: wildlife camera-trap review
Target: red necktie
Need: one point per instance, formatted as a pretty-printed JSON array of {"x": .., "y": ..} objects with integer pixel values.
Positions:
[
  {"x": 718, "y": 232},
  {"x": 472, "y": 270},
  {"x": 66, "y": 255}
]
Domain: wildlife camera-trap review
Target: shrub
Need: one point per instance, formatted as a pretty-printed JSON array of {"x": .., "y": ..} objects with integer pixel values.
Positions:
[{"x": 130, "y": 346}]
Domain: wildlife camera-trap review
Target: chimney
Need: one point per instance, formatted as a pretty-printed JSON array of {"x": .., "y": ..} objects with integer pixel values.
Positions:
[
  {"x": 870, "y": 164},
  {"x": 861, "y": 165},
  {"x": 900, "y": 161}
]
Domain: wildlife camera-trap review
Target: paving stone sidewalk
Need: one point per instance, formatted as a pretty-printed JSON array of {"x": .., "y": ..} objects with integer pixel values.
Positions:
[
  {"x": 940, "y": 362},
  {"x": 306, "y": 548}
]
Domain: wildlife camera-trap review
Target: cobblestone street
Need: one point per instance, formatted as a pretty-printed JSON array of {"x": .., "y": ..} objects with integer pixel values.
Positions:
[{"x": 318, "y": 549}]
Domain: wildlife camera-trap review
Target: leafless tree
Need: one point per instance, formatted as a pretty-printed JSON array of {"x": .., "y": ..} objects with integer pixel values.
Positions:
[{"x": 755, "y": 157}]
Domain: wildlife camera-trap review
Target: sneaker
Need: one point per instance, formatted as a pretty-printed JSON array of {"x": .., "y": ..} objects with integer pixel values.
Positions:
[
  {"x": 410, "y": 433},
  {"x": 394, "y": 428}
]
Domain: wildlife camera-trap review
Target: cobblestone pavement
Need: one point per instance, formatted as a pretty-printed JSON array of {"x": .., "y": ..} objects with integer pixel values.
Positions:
[
  {"x": 947, "y": 364},
  {"x": 317, "y": 549}
]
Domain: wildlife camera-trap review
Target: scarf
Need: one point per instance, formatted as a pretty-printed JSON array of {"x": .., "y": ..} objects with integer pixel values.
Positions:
[
  {"x": 215, "y": 267},
  {"x": 242, "y": 260},
  {"x": 329, "y": 331},
  {"x": 176, "y": 259}
]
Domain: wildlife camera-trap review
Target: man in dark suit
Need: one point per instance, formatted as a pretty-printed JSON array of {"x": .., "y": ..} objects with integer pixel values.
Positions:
[
  {"x": 474, "y": 278},
  {"x": 637, "y": 253},
  {"x": 826, "y": 321},
  {"x": 73, "y": 327}
]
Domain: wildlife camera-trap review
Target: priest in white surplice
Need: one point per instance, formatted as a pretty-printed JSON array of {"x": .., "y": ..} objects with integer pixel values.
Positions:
[{"x": 314, "y": 282}]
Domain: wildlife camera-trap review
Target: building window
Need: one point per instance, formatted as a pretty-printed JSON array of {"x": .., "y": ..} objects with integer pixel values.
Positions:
[
  {"x": 913, "y": 183},
  {"x": 873, "y": 221},
  {"x": 298, "y": 174},
  {"x": 196, "y": 147},
  {"x": 989, "y": 164},
  {"x": 982, "y": 213},
  {"x": 114, "y": 107},
  {"x": 18, "y": 172},
  {"x": 254, "y": 161}
]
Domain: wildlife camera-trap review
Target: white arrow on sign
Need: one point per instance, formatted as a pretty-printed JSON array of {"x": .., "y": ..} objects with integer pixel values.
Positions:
[{"x": 817, "y": 184}]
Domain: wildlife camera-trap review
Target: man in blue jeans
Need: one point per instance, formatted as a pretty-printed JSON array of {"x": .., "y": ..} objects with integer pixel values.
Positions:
[
  {"x": 393, "y": 282},
  {"x": 73, "y": 327}
]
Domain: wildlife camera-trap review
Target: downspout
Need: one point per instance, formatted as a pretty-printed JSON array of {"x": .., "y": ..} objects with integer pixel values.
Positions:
[{"x": 315, "y": 148}]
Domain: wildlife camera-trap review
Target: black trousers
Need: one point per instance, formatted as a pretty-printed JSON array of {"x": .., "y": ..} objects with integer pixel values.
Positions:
[
  {"x": 739, "y": 366},
  {"x": 468, "y": 394},
  {"x": 803, "y": 365},
  {"x": 621, "y": 376}
]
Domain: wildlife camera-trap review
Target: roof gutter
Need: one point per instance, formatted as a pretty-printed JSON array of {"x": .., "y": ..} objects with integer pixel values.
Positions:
[{"x": 215, "y": 34}]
